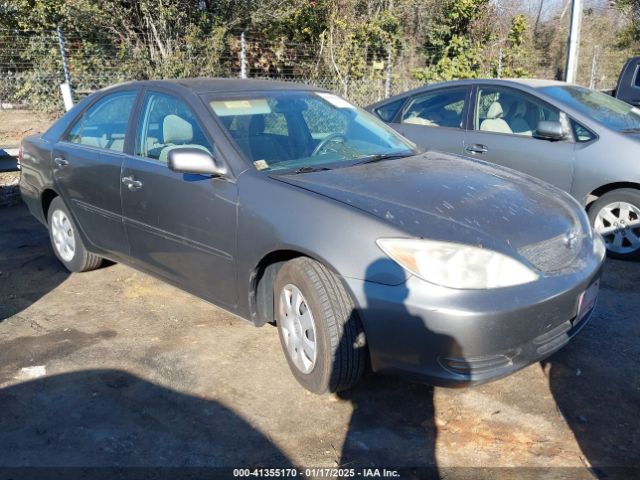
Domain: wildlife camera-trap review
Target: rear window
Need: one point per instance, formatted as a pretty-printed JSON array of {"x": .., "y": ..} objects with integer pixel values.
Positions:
[{"x": 388, "y": 111}]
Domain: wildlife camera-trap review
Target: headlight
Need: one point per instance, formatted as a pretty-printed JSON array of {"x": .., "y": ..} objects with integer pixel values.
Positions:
[{"x": 456, "y": 265}]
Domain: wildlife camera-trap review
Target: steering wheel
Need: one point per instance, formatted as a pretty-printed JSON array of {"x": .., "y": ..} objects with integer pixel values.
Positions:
[{"x": 326, "y": 141}]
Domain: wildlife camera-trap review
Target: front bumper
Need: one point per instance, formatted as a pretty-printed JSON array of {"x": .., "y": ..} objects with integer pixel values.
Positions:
[{"x": 450, "y": 337}]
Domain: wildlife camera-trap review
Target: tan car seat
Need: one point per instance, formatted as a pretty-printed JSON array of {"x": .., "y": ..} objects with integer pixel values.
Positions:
[
  {"x": 177, "y": 133},
  {"x": 494, "y": 121}
]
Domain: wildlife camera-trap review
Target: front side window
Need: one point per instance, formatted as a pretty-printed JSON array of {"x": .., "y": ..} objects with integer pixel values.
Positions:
[
  {"x": 166, "y": 123},
  {"x": 442, "y": 108},
  {"x": 503, "y": 110},
  {"x": 294, "y": 130},
  {"x": 637, "y": 81},
  {"x": 604, "y": 109},
  {"x": 104, "y": 124}
]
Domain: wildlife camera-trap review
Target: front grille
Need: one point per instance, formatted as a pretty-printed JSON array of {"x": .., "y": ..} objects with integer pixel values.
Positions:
[{"x": 553, "y": 254}]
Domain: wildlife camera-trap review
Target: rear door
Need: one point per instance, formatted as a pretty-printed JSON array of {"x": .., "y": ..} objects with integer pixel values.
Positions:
[
  {"x": 435, "y": 120},
  {"x": 180, "y": 226},
  {"x": 87, "y": 163},
  {"x": 504, "y": 123}
]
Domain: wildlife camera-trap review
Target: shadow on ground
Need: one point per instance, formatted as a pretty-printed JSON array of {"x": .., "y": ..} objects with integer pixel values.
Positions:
[
  {"x": 110, "y": 418},
  {"x": 28, "y": 268},
  {"x": 595, "y": 381},
  {"x": 405, "y": 435}
]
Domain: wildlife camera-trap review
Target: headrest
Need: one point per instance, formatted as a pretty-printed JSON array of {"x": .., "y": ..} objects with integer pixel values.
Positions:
[
  {"x": 257, "y": 124},
  {"x": 495, "y": 111},
  {"x": 176, "y": 130}
]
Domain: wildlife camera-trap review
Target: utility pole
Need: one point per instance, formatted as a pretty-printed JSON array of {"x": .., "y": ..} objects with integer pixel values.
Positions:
[{"x": 571, "y": 70}]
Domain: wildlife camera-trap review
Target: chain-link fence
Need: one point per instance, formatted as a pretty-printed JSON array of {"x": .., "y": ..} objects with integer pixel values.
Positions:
[{"x": 32, "y": 66}]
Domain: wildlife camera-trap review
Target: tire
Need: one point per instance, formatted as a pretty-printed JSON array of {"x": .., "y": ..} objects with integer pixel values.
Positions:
[
  {"x": 620, "y": 227},
  {"x": 66, "y": 242},
  {"x": 340, "y": 349}
]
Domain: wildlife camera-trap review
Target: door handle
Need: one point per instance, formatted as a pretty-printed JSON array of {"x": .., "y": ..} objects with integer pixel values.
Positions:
[
  {"x": 477, "y": 148},
  {"x": 132, "y": 184},
  {"x": 60, "y": 162}
]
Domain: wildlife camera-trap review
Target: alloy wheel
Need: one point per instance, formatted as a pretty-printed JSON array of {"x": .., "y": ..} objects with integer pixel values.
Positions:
[{"x": 619, "y": 224}]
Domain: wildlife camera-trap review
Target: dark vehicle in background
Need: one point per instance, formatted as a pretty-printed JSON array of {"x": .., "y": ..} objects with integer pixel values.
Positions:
[
  {"x": 580, "y": 140},
  {"x": 287, "y": 204},
  {"x": 628, "y": 87}
]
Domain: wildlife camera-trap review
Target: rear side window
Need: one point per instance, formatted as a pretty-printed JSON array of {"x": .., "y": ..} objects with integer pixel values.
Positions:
[
  {"x": 442, "y": 108},
  {"x": 166, "y": 123},
  {"x": 389, "y": 111},
  {"x": 637, "y": 81},
  {"x": 104, "y": 124}
]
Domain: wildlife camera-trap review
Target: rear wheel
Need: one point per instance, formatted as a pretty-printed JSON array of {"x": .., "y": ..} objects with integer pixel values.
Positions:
[
  {"x": 66, "y": 242},
  {"x": 616, "y": 216},
  {"x": 319, "y": 329}
]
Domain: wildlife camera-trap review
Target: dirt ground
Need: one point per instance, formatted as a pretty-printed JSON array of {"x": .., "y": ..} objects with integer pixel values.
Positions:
[
  {"x": 115, "y": 368},
  {"x": 15, "y": 124}
]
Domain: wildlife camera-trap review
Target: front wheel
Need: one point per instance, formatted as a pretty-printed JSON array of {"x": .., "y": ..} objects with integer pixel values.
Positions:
[
  {"x": 616, "y": 216},
  {"x": 66, "y": 241},
  {"x": 319, "y": 328}
]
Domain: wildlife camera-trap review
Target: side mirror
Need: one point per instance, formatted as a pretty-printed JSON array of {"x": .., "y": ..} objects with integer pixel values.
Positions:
[
  {"x": 548, "y": 130},
  {"x": 194, "y": 160}
]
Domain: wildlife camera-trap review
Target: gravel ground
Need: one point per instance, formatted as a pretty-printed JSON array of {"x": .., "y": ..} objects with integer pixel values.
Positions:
[
  {"x": 9, "y": 192},
  {"x": 15, "y": 124},
  {"x": 115, "y": 368}
]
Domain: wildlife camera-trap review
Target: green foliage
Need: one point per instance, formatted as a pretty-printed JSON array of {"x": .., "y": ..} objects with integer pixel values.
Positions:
[
  {"x": 515, "y": 55},
  {"x": 340, "y": 42},
  {"x": 630, "y": 36},
  {"x": 453, "y": 49},
  {"x": 516, "y": 36}
]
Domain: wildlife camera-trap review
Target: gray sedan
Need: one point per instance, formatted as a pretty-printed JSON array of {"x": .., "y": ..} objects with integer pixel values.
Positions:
[
  {"x": 286, "y": 204},
  {"x": 582, "y": 141}
]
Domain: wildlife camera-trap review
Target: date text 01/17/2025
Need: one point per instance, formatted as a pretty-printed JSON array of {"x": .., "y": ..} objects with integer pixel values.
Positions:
[{"x": 315, "y": 473}]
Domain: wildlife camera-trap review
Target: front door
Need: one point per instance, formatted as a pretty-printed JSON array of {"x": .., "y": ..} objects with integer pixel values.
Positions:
[
  {"x": 504, "y": 124},
  {"x": 180, "y": 226},
  {"x": 87, "y": 164}
]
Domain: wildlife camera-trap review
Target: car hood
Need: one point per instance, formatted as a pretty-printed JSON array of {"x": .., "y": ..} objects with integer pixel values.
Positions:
[{"x": 445, "y": 197}]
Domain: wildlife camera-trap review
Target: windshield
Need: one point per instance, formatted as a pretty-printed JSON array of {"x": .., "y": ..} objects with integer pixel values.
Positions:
[
  {"x": 603, "y": 108},
  {"x": 306, "y": 131}
]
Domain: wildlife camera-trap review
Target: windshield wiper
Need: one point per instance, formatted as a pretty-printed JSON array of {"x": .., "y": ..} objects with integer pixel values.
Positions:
[
  {"x": 382, "y": 156},
  {"x": 631, "y": 130},
  {"x": 308, "y": 169}
]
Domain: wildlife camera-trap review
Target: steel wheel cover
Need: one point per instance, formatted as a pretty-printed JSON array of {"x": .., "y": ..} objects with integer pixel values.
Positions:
[
  {"x": 298, "y": 328},
  {"x": 63, "y": 236}
]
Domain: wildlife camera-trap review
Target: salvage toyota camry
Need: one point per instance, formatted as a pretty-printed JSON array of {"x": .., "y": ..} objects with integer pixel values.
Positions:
[{"x": 286, "y": 204}]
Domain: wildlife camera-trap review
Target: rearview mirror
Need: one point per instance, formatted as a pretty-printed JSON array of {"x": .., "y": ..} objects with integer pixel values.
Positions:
[
  {"x": 194, "y": 160},
  {"x": 548, "y": 130}
]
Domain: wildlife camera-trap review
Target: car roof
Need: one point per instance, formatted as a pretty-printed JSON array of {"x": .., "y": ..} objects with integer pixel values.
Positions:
[
  {"x": 530, "y": 83},
  {"x": 222, "y": 85}
]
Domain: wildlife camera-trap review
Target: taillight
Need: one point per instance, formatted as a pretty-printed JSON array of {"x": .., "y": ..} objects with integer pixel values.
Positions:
[{"x": 19, "y": 155}]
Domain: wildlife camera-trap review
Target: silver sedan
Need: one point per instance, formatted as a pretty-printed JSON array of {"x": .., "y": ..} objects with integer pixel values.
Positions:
[{"x": 582, "y": 141}]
